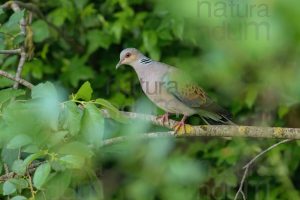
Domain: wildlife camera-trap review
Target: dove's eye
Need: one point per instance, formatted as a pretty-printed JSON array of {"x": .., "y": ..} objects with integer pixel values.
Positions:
[{"x": 127, "y": 55}]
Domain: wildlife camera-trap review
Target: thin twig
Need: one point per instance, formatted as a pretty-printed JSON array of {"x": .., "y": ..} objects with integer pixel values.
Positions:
[
  {"x": 248, "y": 165},
  {"x": 11, "y": 52},
  {"x": 20, "y": 68},
  {"x": 30, "y": 185},
  {"x": 8, "y": 175},
  {"x": 21, "y": 81},
  {"x": 15, "y": 7}
]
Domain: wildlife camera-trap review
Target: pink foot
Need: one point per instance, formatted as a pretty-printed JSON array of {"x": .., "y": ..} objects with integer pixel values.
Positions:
[
  {"x": 180, "y": 124},
  {"x": 164, "y": 118}
]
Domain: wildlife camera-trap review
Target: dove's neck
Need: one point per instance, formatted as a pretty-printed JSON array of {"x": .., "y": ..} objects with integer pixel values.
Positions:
[
  {"x": 148, "y": 69},
  {"x": 142, "y": 65}
]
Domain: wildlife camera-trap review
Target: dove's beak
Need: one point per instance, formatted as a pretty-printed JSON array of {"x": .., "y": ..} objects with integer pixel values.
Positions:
[{"x": 119, "y": 64}]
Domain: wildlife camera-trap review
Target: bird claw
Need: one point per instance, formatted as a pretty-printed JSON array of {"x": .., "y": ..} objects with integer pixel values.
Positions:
[
  {"x": 178, "y": 126},
  {"x": 164, "y": 118}
]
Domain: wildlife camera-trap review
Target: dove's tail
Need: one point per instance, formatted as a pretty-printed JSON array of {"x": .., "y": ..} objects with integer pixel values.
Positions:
[{"x": 213, "y": 114}]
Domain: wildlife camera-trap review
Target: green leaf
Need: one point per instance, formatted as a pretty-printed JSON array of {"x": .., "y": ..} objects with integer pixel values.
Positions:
[
  {"x": 40, "y": 30},
  {"x": 58, "y": 16},
  {"x": 113, "y": 111},
  {"x": 33, "y": 157},
  {"x": 85, "y": 92},
  {"x": 41, "y": 174},
  {"x": 77, "y": 149},
  {"x": 46, "y": 104},
  {"x": 92, "y": 125},
  {"x": 19, "y": 167},
  {"x": 73, "y": 162},
  {"x": 9, "y": 156},
  {"x": 18, "y": 40},
  {"x": 251, "y": 97},
  {"x": 76, "y": 70},
  {"x": 19, "y": 141},
  {"x": 1, "y": 11},
  {"x": 178, "y": 28},
  {"x": 8, "y": 188},
  {"x": 18, "y": 198},
  {"x": 57, "y": 138},
  {"x": 71, "y": 117},
  {"x": 96, "y": 39},
  {"x": 56, "y": 186},
  {"x": 44, "y": 90},
  {"x": 149, "y": 39},
  {"x": 32, "y": 148},
  {"x": 1, "y": 167},
  {"x": 10, "y": 93},
  {"x": 20, "y": 183},
  {"x": 15, "y": 18},
  {"x": 282, "y": 111}
]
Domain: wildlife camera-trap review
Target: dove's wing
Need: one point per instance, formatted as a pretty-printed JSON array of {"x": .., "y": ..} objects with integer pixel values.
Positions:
[{"x": 193, "y": 96}]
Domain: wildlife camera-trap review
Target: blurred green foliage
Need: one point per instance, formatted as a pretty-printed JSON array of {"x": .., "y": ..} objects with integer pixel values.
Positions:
[{"x": 243, "y": 53}]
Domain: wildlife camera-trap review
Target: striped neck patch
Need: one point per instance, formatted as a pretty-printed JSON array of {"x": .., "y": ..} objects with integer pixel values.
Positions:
[{"x": 145, "y": 61}]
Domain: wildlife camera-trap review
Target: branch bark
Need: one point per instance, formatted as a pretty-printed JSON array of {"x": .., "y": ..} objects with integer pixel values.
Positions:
[
  {"x": 15, "y": 6},
  {"x": 11, "y": 52},
  {"x": 21, "y": 81},
  {"x": 218, "y": 130}
]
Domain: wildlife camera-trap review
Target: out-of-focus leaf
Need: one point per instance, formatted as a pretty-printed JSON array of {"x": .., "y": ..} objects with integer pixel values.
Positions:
[
  {"x": 33, "y": 157},
  {"x": 1, "y": 11},
  {"x": 20, "y": 183},
  {"x": 77, "y": 149},
  {"x": 150, "y": 41},
  {"x": 40, "y": 30},
  {"x": 19, "y": 141},
  {"x": 10, "y": 93},
  {"x": 85, "y": 92},
  {"x": 113, "y": 111},
  {"x": 58, "y": 16},
  {"x": 56, "y": 185},
  {"x": 47, "y": 104},
  {"x": 19, "y": 167},
  {"x": 282, "y": 111},
  {"x": 73, "y": 162},
  {"x": 35, "y": 68},
  {"x": 15, "y": 18},
  {"x": 92, "y": 125},
  {"x": 18, "y": 40},
  {"x": 9, "y": 156},
  {"x": 44, "y": 90},
  {"x": 41, "y": 174},
  {"x": 178, "y": 29},
  {"x": 96, "y": 39},
  {"x": 251, "y": 97},
  {"x": 8, "y": 188},
  {"x": 76, "y": 70},
  {"x": 57, "y": 138},
  {"x": 19, "y": 198},
  {"x": 71, "y": 117}
]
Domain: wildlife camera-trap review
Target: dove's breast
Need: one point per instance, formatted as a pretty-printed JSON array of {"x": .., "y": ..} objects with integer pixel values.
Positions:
[{"x": 158, "y": 91}]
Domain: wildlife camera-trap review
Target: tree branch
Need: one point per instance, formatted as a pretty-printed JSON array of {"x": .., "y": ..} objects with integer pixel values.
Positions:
[
  {"x": 11, "y": 52},
  {"x": 21, "y": 81},
  {"x": 14, "y": 5},
  {"x": 218, "y": 130}
]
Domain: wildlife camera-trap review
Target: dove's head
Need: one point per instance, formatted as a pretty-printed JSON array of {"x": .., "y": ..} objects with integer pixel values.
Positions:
[{"x": 129, "y": 56}]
